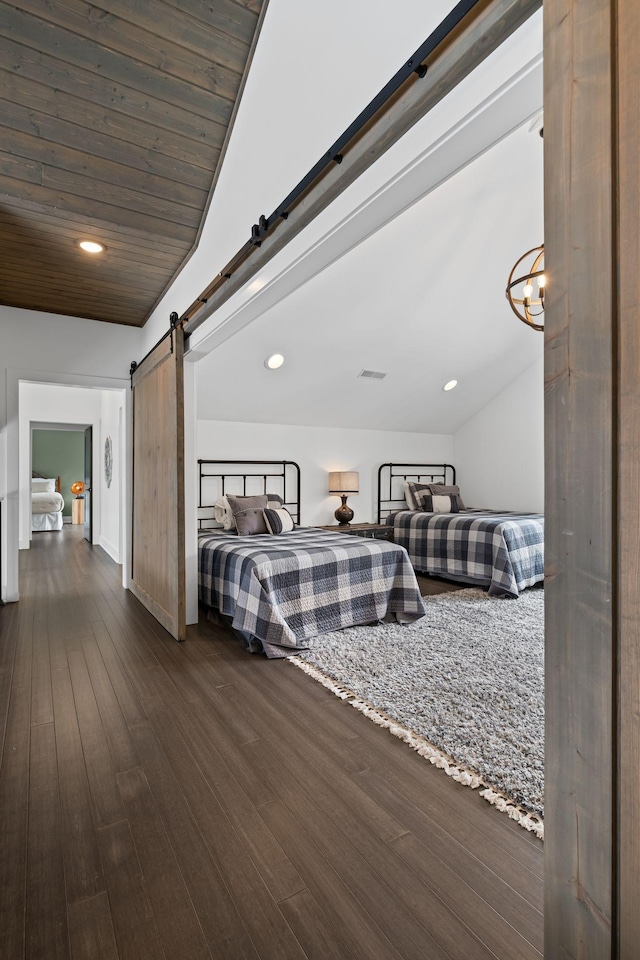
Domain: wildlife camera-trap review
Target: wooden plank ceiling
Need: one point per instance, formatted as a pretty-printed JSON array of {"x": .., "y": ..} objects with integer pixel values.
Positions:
[{"x": 113, "y": 118}]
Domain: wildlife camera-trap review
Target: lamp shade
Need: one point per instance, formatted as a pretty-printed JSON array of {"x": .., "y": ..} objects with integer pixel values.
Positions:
[
  {"x": 344, "y": 481},
  {"x": 77, "y": 487}
]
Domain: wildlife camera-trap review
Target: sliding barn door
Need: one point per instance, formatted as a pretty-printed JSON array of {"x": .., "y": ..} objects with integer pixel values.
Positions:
[{"x": 157, "y": 562}]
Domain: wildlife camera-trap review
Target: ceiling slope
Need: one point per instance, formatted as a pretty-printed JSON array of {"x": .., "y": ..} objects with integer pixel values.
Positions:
[{"x": 114, "y": 116}]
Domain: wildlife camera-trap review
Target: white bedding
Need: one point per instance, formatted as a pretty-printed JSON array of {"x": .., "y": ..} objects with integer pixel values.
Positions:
[
  {"x": 51, "y": 502},
  {"x": 46, "y": 521}
]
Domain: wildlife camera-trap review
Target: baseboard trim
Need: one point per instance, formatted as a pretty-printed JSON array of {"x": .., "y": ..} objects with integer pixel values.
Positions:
[{"x": 109, "y": 548}]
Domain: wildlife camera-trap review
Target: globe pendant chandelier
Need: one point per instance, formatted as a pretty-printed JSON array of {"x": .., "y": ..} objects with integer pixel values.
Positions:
[{"x": 526, "y": 288}]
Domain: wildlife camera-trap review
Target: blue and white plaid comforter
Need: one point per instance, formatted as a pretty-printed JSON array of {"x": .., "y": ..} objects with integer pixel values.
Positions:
[
  {"x": 504, "y": 551},
  {"x": 280, "y": 591}
]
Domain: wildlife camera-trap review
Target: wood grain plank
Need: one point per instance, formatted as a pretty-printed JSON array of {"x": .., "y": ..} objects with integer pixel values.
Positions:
[
  {"x": 205, "y": 58},
  {"x": 220, "y": 918},
  {"x": 82, "y": 863},
  {"x": 91, "y": 933},
  {"x": 46, "y": 914},
  {"x": 76, "y": 51},
  {"x": 123, "y": 688},
  {"x": 406, "y": 924},
  {"x": 627, "y": 82},
  {"x": 131, "y": 913},
  {"x": 75, "y": 308},
  {"x": 447, "y": 854},
  {"x": 8, "y": 644},
  {"x": 99, "y": 92},
  {"x": 359, "y": 931},
  {"x": 14, "y": 795},
  {"x": 213, "y": 745},
  {"x": 121, "y": 746},
  {"x": 237, "y": 20},
  {"x": 313, "y": 928},
  {"x": 178, "y": 927},
  {"x": 69, "y": 182},
  {"x": 269, "y": 932},
  {"x": 101, "y": 774},
  {"x": 65, "y": 195},
  {"x": 580, "y": 584},
  {"x": 31, "y": 147},
  {"x": 133, "y": 152},
  {"x": 36, "y": 221},
  {"x": 102, "y": 284},
  {"x": 489, "y": 926}
]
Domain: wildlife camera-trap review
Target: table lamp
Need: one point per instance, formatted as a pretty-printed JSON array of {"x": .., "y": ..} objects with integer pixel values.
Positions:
[
  {"x": 341, "y": 484},
  {"x": 77, "y": 488}
]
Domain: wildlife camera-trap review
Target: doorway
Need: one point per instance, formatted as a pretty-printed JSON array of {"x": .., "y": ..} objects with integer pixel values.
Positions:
[
  {"x": 88, "y": 484},
  {"x": 57, "y": 453},
  {"x": 97, "y": 418}
]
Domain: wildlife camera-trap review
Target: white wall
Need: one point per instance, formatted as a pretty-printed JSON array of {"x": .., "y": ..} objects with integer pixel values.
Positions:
[
  {"x": 499, "y": 454},
  {"x": 318, "y": 450},
  {"x": 49, "y": 348}
]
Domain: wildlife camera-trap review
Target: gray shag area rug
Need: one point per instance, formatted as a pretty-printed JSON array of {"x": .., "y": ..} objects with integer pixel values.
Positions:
[{"x": 464, "y": 686}]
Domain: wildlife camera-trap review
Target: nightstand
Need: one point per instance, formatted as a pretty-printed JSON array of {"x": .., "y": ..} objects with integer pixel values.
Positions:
[
  {"x": 77, "y": 510},
  {"x": 374, "y": 531}
]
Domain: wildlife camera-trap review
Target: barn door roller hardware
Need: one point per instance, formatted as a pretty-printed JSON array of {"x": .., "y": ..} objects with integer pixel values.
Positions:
[{"x": 174, "y": 321}]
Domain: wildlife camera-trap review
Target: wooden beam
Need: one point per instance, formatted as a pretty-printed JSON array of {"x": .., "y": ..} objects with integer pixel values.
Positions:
[
  {"x": 487, "y": 25},
  {"x": 627, "y": 79},
  {"x": 592, "y": 198}
]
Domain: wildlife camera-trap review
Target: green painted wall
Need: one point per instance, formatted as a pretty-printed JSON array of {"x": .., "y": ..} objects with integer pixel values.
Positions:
[{"x": 59, "y": 453}]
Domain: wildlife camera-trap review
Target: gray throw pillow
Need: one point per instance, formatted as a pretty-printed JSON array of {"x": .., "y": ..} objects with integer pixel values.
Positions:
[
  {"x": 448, "y": 490},
  {"x": 248, "y": 513}
]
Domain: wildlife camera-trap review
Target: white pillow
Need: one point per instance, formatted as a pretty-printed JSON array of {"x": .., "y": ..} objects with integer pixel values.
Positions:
[
  {"x": 223, "y": 514},
  {"x": 408, "y": 496},
  {"x": 39, "y": 485}
]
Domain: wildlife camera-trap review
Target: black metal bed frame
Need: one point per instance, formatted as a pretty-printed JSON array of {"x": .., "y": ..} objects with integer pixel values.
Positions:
[
  {"x": 286, "y": 472},
  {"x": 418, "y": 472}
]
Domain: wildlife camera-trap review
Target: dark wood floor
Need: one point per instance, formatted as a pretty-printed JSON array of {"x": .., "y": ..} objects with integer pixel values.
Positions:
[{"x": 192, "y": 801}]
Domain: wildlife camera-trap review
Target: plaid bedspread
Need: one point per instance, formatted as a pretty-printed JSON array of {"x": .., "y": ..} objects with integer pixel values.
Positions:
[
  {"x": 502, "y": 550},
  {"x": 280, "y": 591}
]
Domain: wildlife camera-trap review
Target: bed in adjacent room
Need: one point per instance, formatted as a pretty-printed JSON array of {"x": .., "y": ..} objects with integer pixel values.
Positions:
[
  {"x": 280, "y": 584},
  {"x": 500, "y": 550},
  {"x": 47, "y": 504}
]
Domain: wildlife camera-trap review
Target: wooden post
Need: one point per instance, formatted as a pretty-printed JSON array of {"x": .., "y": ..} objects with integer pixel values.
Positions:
[
  {"x": 77, "y": 510},
  {"x": 592, "y": 376},
  {"x": 627, "y": 78}
]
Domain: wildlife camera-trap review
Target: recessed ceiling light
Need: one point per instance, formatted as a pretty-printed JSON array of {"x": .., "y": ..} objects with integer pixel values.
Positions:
[
  {"x": 274, "y": 361},
  {"x": 450, "y": 385},
  {"x": 91, "y": 246}
]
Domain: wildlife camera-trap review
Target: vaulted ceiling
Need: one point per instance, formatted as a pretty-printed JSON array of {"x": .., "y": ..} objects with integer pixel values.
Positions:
[{"x": 114, "y": 117}]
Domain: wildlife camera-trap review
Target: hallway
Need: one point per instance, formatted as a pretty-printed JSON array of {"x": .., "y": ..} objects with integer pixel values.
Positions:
[{"x": 165, "y": 800}]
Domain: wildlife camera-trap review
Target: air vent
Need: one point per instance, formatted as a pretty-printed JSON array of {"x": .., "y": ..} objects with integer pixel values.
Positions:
[{"x": 372, "y": 374}]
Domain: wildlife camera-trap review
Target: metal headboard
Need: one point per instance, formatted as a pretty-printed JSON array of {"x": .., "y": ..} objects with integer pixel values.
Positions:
[
  {"x": 391, "y": 476},
  {"x": 246, "y": 478}
]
